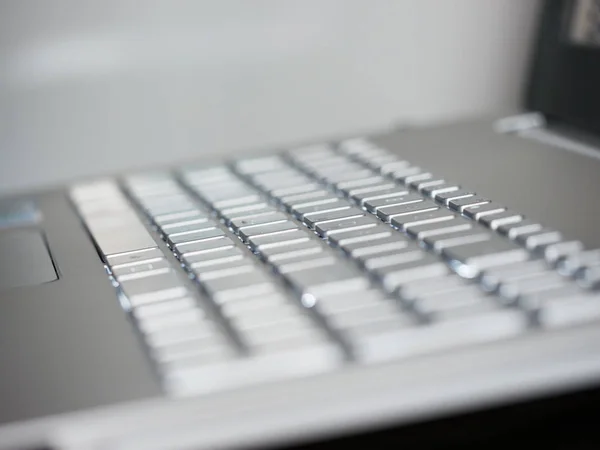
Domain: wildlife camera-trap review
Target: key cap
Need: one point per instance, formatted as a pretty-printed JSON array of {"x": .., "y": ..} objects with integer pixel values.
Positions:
[
  {"x": 394, "y": 191},
  {"x": 538, "y": 240},
  {"x": 336, "y": 278},
  {"x": 192, "y": 353},
  {"x": 553, "y": 253},
  {"x": 157, "y": 288},
  {"x": 344, "y": 237},
  {"x": 384, "y": 245},
  {"x": 432, "y": 287},
  {"x": 453, "y": 225},
  {"x": 419, "y": 185},
  {"x": 218, "y": 257},
  {"x": 172, "y": 218},
  {"x": 589, "y": 277},
  {"x": 459, "y": 204},
  {"x": 463, "y": 301},
  {"x": 544, "y": 281},
  {"x": 175, "y": 240},
  {"x": 361, "y": 182},
  {"x": 326, "y": 229},
  {"x": 373, "y": 205},
  {"x": 357, "y": 317},
  {"x": 311, "y": 220},
  {"x": 246, "y": 285},
  {"x": 241, "y": 266},
  {"x": 570, "y": 309},
  {"x": 494, "y": 221},
  {"x": 299, "y": 199},
  {"x": 246, "y": 210},
  {"x": 179, "y": 227},
  {"x": 389, "y": 257},
  {"x": 139, "y": 267},
  {"x": 242, "y": 200},
  {"x": 304, "y": 188},
  {"x": 491, "y": 279},
  {"x": 186, "y": 229},
  {"x": 138, "y": 256},
  {"x": 291, "y": 252},
  {"x": 401, "y": 173},
  {"x": 251, "y": 166},
  {"x": 386, "y": 213},
  {"x": 432, "y": 190},
  {"x": 476, "y": 212},
  {"x": 408, "y": 221},
  {"x": 394, "y": 276},
  {"x": 258, "y": 243},
  {"x": 163, "y": 308},
  {"x": 445, "y": 197},
  {"x": 372, "y": 189},
  {"x": 348, "y": 301},
  {"x": 469, "y": 260},
  {"x": 513, "y": 230},
  {"x": 304, "y": 211},
  {"x": 249, "y": 215},
  {"x": 439, "y": 241},
  {"x": 246, "y": 223},
  {"x": 173, "y": 319},
  {"x": 267, "y": 229},
  {"x": 205, "y": 246},
  {"x": 256, "y": 304},
  {"x": 573, "y": 264}
]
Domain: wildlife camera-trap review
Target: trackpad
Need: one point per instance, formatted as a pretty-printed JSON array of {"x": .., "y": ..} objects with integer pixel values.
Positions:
[{"x": 24, "y": 259}]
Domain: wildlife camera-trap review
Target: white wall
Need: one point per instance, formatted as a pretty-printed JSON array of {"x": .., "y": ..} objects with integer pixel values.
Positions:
[{"x": 93, "y": 86}]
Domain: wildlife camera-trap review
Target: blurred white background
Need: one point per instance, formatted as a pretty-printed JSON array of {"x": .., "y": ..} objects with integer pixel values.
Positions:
[{"x": 88, "y": 87}]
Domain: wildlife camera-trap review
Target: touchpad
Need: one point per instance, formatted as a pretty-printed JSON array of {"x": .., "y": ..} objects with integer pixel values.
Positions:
[{"x": 24, "y": 259}]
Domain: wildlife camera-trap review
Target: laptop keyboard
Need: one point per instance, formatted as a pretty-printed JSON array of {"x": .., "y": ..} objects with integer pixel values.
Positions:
[{"x": 306, "y": 261}]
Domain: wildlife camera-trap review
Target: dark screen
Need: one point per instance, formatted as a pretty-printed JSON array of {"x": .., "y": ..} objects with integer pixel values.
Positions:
[{"x": 565, "y": 81}]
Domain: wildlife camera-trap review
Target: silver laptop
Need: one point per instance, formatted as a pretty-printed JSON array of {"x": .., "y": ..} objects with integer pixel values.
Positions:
[{"x": 319, "y": 290}]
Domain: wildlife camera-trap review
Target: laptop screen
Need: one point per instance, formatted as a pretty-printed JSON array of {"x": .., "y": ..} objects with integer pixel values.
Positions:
[{"x": 565, "y": 81}]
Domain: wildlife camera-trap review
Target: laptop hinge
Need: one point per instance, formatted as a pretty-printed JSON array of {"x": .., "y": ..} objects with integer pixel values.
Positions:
[{"x": 520, "y": 123}]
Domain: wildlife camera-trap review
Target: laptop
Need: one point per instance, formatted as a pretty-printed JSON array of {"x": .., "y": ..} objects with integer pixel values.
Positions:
[{"x": 316, "y": 290}]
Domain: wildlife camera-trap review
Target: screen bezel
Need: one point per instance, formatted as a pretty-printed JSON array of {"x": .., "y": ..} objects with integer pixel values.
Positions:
[{"x": 565, "y": 78}]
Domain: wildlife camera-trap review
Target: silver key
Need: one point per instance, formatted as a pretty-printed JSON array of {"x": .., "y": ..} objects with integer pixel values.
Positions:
[
  {"x": 293, "y": 251},
  {"x": 453, "y": 225},
  {"x": 432, "y": 191},
  {"x": 205, "y": 246},
  {"x": 377, "y": 312},
  {"x": 299, "y": 199},
  {"x": 392, "y": 277},
  {"x": 238, "y": 267},
  {"x": 345, "y": 237},
  {"x": 371, "y": 196},
  {"x": 336, "y": 303},
  {"x": 506, "y": 217},
  {"x": 246, "y": 223},
  {"x": 515, "y": 229},
  {"x": 373, "y": 205},
  {"x": 375, "y": 247},
  {"x": 157, "y": 288},
  {"x": 304, "y": 188},
  {"x": 323, "y": 206},
  {"x": 174, "y": 336},
  {"x": 139, "y": 267},
  {"x": 318, "y": 282},
  {"x": 360, "y": 192},
  {"x": 436, "y": 216},
  {"x": 469, "y": 260},
  {"x": 218, "y": 257},
  {"x": 401, "y": 173},
  {"x": 326, "y": 229},
  {"x": 553, "y": 253},
  {"x": 388, "y": 212},
  {"x": 357, "y": 183},
  {"x": 175, "y": 240},
  {"x": 174, "y": 319},
  {"x": 389, "y": 256},
  {"x": 246, "y": 285},
  {"x": 573, "y": 264},
  {"x": 538, "y": 240},
  {"x": 312, "y": 219},
  {"x": 437, "y": 242},
  {"x": 460, "y": 204},
  {"x": 476, "y": 212},
  {"x": 271, "y": 240},
  {"x": 568, "y": 310},
  {"x": 267, "y": 229},
  {"x": 167, "y": 219},
  {"x": 162, "y": 308},
  {"x": 137, "y": 256},
  {"x": 445, "y": 197}
]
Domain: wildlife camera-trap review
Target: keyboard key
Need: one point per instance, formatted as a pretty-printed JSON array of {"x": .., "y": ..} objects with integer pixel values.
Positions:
[
  {"x": 553, "y": 253},
  {"x": 335, "y": 279},
  {"x": 166, "y": 219},
  {"x": 245, "y": 223},
  {"x": 175, "y": 240},
  {"x": 445, "y": 197},
  {"x": 436, "y": 216},
  {"x": 424, "y": 230},
  {"x": 571, "y": 308},
  {"x": 386, "y": 213},
  {"x": 217, "y": 257},
  {"x": 494, "y": 221},
  {"x": 139, "y": 267},
  {"x": 470, "y": 259},
  {"x": 246, "y": 285},
  {"x": 380, "y": 246},
  {"x": 345, "y": 237},
  {"x": 165, "y": 286},
  {"x": 161, "y": 308},
  {"x": 212, "y": 272},
  {"x": 475, "y": 212},
  {"x": 538, "y": 240},
  {"x": 258, "y": 243},
  {"x": 433, "y": 190},
  {"x": 137, "y": 256},
  {"x": 204, "y": 246},
  {"x": 403, "y": 172},
  {"x": 372, "y": 196},
  {"x": 376, "y": 312},
  {"x": 571, "y": 265},
  {"x": 513, "y": 230},
  {"x": 325, "y": 205},
  {"x": 373, "y": 205},
  {"x": 389, "y": 256},
  {"x": 347, "y": 213},
  {"x": 439, "y": 241},
  {"x": 394, "y": 276},
  {"x": 173, "y": 319},
  {"x": 304, "y": 249},
  {"x": 335, "y": 303},
  {"x": 459, "y": 204},
  {"x": 370, "y": 189},
  {"x": 266, "y": 229},
  {"x": 299, "y": 199},
  {"x": 326, "y": 229}
]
